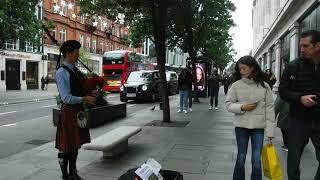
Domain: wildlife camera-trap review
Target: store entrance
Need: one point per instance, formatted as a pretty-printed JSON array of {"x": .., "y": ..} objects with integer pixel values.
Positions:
[
  {"x": 32, "y": 79},
  {"x": 13, "y": 75}
]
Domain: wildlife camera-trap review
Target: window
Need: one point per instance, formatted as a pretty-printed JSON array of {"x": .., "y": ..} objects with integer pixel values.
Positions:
[
  {"x": 63, "y": 8},
  {"x": 63, "y": 35},
  {"x": 56, "y": 7},
  {"x": 11, "y": 44},
  {"x": 29, "y": 46},
  {"x": 94, "y": 45},
  {"x": 81, "y": 39},
  {"x": 82, "y": 19},
  {"x": 273, "y": 59},
  {"x": 39, "y": 12},
  {"x": 88, "y": 43},
  {"x": 285, "y": 51}
]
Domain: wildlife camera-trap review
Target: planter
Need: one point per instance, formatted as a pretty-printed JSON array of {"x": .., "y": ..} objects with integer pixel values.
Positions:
[{"x": 99, "y": 115}]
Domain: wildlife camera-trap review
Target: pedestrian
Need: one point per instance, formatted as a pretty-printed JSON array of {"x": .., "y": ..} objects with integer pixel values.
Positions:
[
  {"x": 226, "y": 83},
  {"x": 271, "y": 79},
  {"x": 46, "y": 82},
  {"x": 190, "y": 93},
  {"x": 42, "y": 83},
  {"x": 214, "y": 85},
  {"x": 250, "y": 99},
  {"x": 183, "y": 88},
  {"x": 281, "y": 110},
  {"x": 300, "y": 87},
  {"x": 70, "y": 137}
]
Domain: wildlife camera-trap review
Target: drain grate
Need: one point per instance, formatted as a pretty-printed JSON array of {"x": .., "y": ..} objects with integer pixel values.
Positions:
[
  {"x": 37, "y": 142},
  {"x": 160, "y": 123}
]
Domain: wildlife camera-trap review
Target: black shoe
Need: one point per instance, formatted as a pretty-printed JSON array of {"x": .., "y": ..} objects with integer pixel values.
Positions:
[
  {"x": 76, "y": 177},
  {"x": 65, "y": 177}
]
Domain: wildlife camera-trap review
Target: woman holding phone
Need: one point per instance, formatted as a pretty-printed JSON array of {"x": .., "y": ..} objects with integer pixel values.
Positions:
[{"x": 250, "y": 99}]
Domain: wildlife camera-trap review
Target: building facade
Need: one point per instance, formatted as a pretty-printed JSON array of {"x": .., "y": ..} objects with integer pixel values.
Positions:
[
  {"x": 277, "y": 25},
  {"x": 96, "y": 34},
  {"x": 20, "y": 63}
]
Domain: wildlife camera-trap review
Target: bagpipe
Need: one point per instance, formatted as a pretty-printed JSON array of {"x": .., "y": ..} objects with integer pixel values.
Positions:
[{"x": 91, "y": 84}]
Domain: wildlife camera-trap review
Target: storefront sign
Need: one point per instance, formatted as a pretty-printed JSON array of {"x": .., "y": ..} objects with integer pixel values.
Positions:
[{"x": 14, "y": 55}]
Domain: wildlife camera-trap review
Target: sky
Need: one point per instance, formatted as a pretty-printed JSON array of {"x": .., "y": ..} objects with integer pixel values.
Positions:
[{"x": 242, "y": 32}]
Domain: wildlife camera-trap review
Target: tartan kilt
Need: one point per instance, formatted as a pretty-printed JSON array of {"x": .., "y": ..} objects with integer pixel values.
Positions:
[{"x": 69, "y": 136}]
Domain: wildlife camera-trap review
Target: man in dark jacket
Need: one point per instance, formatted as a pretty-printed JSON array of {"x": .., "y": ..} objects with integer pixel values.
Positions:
[
  {"x": 183, "y": 88},
  {"x": 214, "y": 85},
  {"x": 300, "y": 87}
]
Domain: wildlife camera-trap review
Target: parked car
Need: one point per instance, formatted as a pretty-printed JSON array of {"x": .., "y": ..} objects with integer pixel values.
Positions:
[
  {"x": 172, "y": 82},
  {"x": 141, "y": 85}
]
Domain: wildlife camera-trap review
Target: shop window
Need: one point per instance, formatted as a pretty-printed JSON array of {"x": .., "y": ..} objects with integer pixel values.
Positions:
[{"x": 285, "y": 51}]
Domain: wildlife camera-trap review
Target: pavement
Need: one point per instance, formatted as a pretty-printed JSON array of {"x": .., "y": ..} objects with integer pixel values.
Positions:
[
  {"x": 23, "y": 96},
  {"x": 204, "y": 149}
]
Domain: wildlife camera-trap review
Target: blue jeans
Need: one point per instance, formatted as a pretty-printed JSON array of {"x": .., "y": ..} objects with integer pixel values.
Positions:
[
  {"x": 184, "y": 96},
  {"x": 242, "y": 136}
]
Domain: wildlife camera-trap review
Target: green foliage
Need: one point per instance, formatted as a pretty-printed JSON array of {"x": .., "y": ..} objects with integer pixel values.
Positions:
[
  {"x": 84, "y": 55},
  {"x": 18, "y": 21}
]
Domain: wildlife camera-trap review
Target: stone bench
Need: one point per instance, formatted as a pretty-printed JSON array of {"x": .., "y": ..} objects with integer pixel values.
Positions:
[{"x": 113, "y": 142}]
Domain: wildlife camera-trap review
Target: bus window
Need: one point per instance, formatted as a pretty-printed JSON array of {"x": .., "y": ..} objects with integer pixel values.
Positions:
[
  {"x": 134, "y": 57},
  {"x": 113, "y": 58}
]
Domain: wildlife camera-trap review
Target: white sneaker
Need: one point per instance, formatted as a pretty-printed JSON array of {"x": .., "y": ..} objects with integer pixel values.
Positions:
[
  {"x": 179, "y": 111},
  {"x": 185, "y": 111},
  {"x": 210, "y": 108},
  {"x": 216, "y": 108},
  {"x": 190, "y": 109}
]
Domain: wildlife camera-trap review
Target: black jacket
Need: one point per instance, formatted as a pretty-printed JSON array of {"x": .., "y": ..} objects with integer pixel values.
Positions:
[
  {"x": 300, "y": 77},
  {"x": 184, "y": 82}
]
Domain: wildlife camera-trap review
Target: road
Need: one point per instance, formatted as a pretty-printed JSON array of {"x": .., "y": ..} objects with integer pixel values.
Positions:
[{"x": 28, "y": 125}]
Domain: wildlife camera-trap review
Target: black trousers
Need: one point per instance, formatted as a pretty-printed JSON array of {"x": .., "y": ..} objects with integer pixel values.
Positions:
[
  {"x": 299, "y": 132},
  {"x": 226, "y": 87},
  {"x": 190, "y": 98},
  {"x": 285, "y": 137},
  {"x": 214, "y": 92}
]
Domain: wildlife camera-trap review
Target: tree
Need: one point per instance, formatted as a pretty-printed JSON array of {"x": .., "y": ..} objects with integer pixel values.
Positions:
[
  {"x": 18, "y": 21},
  {"x": 135, "y": 11},
  {"x": 200, "y": 27}
]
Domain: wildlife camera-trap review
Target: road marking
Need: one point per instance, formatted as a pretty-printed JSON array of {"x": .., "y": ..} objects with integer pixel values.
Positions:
[
  {"x": 47, "y": 106},
  {"x": 108, "y": 96},
  {"x": 7, "y": 125},
  {"x": 131, "y": 105},
  {"x": 7, "y": 112}
]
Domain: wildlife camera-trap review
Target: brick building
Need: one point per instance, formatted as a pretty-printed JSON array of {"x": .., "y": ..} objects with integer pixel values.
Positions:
[{"x": 96, "y": 34}]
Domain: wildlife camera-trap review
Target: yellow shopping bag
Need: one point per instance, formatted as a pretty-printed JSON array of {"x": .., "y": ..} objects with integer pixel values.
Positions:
[{"x": 270, "y": 163}]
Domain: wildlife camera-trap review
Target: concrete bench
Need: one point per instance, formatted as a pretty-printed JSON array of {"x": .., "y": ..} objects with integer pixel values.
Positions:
[{"x": 113, "y": 142}]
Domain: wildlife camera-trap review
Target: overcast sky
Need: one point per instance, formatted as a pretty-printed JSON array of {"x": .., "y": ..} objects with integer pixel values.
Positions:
[{"x": 242, "y": 32}]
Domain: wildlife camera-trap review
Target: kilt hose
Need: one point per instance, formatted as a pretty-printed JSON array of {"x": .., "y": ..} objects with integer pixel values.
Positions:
[{"x": 69, "y": 136}]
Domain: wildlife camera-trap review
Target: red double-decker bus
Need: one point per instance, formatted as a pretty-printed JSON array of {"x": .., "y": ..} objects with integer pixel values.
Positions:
[{"x": 117, "y": 66}]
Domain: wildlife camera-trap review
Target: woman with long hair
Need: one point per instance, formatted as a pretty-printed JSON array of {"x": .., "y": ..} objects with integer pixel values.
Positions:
[{"x": 250, "y": 99}]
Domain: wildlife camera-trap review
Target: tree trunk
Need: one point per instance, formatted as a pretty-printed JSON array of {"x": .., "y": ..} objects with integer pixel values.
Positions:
[
  {"x": 191, "y": 51},
  {"x": 159, "y": 15}
]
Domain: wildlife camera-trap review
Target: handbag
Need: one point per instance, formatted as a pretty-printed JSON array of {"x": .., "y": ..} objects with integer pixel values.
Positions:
[{"x": 270, "y": 163}]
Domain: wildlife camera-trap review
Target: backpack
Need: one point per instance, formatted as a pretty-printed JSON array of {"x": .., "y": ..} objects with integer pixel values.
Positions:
[{"x": 294, "y": 72}]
